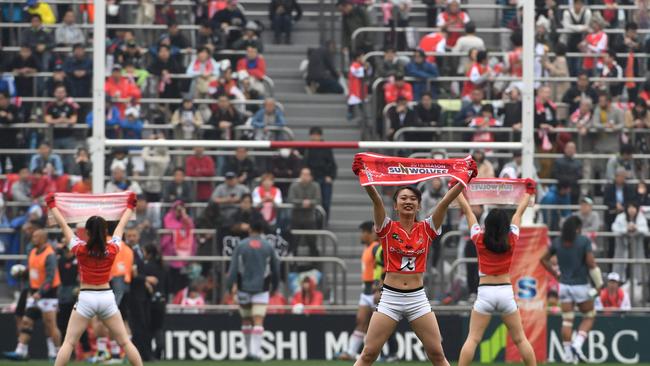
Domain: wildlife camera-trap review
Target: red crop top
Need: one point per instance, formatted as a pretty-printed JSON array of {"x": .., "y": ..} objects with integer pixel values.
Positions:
[
  {"x": 403, "y": 251},
  {"x": 490, "y": 263}
]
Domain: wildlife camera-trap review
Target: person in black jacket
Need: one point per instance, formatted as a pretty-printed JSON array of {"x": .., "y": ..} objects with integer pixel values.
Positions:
[
  {"x": 139, "y": 300},
  {"x": 323, "y": 166},
  {"x": 401, "y": 115},
  {"x": 616, "y": 196},
  {"x": 230, "y": 19},
  {"x": 242, "y": 165},
  {"x": 582, "y": 89},
  {"x": 163, "y": 67},
  {"x": 322, "y": 76},
  {"x": 156, "y": 285},
  {"x": 281, "y": 15},
  {"x": 225, "y": 117}
]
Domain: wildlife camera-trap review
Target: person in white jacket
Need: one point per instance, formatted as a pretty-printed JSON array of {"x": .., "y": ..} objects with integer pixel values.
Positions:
[
  {"x": 631, "y": 226},
  {"x": 267, "y": 197}
]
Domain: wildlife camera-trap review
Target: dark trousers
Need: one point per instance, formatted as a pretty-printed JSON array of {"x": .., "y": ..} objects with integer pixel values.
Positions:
[
  {"x": 139, "y": 320},
  {"x": 326, "y": 195},
  {"x": 300, "y": 240},
  {"x": 156, "y": 328},
  {"x": 63, "y": 317},
  {"x": 328, "y": 86},
  {"x": 281, "y": 24}
]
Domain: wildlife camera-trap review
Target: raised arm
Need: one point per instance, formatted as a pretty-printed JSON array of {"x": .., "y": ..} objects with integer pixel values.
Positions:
[
  {"x": 378, "y": 209},
  {"x": 121, "y": 225},
  {"x": 467, "y": 211},
  {"x": 521, "y": 208},
  {"x": 439, "y": 213},
  {"x": 58, "y": 217}
]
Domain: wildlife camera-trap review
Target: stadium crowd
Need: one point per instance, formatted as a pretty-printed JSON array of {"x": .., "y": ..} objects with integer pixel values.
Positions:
[{"x": 224, "y": 63}]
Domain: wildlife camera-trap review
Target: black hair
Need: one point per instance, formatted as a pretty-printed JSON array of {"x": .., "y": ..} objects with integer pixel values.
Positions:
[
  {"x": 257, "y": 226},
  {"x": 153, "y": 251},
  {"x": 516, "y": 38},
  {"x": 367, "y": 226},
  {"x": 628, "y": 205},
  {"x": 605, "y": 93},
  {"x": 35, "y": 16},
  {"x": 631, "y": 26},
  {"x": 570, "y": 230},
  {"x": 481, "y": 56},
  {"x": 560, "y": 49},
  {"x": 163, "y": 46},
  {"x": 4, "y": 94},
  {"x": 497, "y": 230},
  {"x": 427, "y": 94},
  {"x": 421, "y": 52},
  {"x": 96, "y": 227},
  {"x": 316, "y": 131},
  {"x": 627, "y": 149},
  {"x": 487, "y": 108},
  {"x": 470, "y": 27},
  {"x": 244, "y": 196},
  {"x": 78, "y": 45},
  {"x": 582, "y": 73},
  {"x": 179, "y": 169},
  {"x": 563, "y": 183},
  {"x": 389, "y": 49},
  {"x": 413, "y": 189}
]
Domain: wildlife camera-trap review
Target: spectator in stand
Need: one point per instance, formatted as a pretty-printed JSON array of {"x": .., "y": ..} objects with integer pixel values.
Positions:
[
  {"x": 242, "y": 165},
  {"x": 470, "y": 41},
  {"x": 569, "y": 168},
  {"x": 559, "y": 194},
  {"x": 119, "y": 181},
  {"x": 9, "y": 138},
  {"x": 200, "y": 165},
  {"x": 428, "y": 111},
  {"x": 581, "y": 90},
  {"x": 45, "y": 157},
  {"x": 608, "y": 120},
  {"x": 282, "y": 18},
  {"x": 631, "y": 227},
  {"x": 357, "y": 91},
  {"x": 286, "y": 165},
  {"x": 400, "y": 115},
  {"x": 454, "y": 20},
  {"x": 266, "y": 198},
  {"x": 136, "y": 75},
  {"x": 394, "y": 90},
  {"x": 638, "y": 117},
  {"x": 308, "y": 295},
  {"x": 156, "y": 160},
  {"x": 322, "y": 75},
  {"x": 229, "y": 20},
  {"x": 179, "y": 189},
  {"x": 62, "y": 113},
  {"x": 354, "y": 17},
  {"x": 81, "y": 162},
  {"x": 21, "y": 190},
  {"x": 113, "y": 119},
  {"x": 79, "y": 68},
  {"x": 120, "y": 155},
  {"x": 225, "y": 117},
  {"x": 559, "y": 67},
  {"x": 130, "y": 53},
  {"x": 212, "y": 39},
  {"x": 163, "y": 67},
  {"x": 512, "y": 169},
  {"x": 187, "y": 121},
  {"x": 228, "y": 194},
  {"x": 148, "y": 219},
  {"x": 511, "y": 113},
  {"x": 83, "y": 186},
  {"x": 304, "y": 195},
  {"x": 255, "y": 65},
  {"x": 239, "y": 222},
  {"x": 482, "y": 123},
  {"x": 24, "y": 65},
  {"x": 630, "y": 44},
  {"x": 434, "y": 42},
  {"x": 205, "y": 71},
  {"x": 616, "y": 196},
  {"x": 431, "y": 195},
  {"x": 322, "y": 165},
  {"x": 613, "y": 297},
  {"x": 122, "y": 92},
  {"x": 581, "y": 118},
  {"x": 250, "y": 38},
  {"x": 423, "y": 72},
  {"x": 58, "y": 78},
  {"x": 576, "y": 20},
  {"x": 609, "y": 68},
  {"x": 40, "y": 40},
  {"x": 595, "y": 42},
  {"x": 591, "y": 221},
  {"x": 132, "y": 125},
  {"x": 69, "y": 33},
  {"x": 624, "y": 160},
  {"x": 181, "y": 243},
  {"x": 545, "y": 117},
  {"x": 470, "y": 110},
  {"x": 479, "y": 74},
  {"x": 513, "y": 61},
  {"x": 176, "y": 37},
  {"x": 485, "y": 167},
  {"x": 42, "y": 9},
  {"x": 391, "y": 64},
  {"x": 266, "y": 117}
]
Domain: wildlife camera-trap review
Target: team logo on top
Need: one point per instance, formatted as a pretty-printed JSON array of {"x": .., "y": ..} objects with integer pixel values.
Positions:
[
  {"x": 396, "y": 237},
  {"x": 408, "y": 264},
  {"x": 421, "y": 169}
]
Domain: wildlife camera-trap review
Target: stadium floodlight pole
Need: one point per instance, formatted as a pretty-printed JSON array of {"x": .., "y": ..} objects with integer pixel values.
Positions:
[
  {"x": 528, "y": 96},
  {"x": 96, "y": 143}
]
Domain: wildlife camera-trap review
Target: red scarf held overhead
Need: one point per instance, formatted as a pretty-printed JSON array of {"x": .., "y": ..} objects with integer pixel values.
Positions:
[{"x": 385, "y": 170}]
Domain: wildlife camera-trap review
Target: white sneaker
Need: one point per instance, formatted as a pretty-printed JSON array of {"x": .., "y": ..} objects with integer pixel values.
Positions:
[{"x": 578, "y": 355}]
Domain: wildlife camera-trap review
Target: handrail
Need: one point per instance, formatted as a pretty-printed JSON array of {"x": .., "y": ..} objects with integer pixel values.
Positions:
[
  {"x": 157, "y": 100},
  {"x": 324, "y": 233}
]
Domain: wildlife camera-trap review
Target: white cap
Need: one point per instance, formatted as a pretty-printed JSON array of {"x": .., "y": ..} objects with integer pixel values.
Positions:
[
  {"x": 132, "y": 111},
  {"x": 118, "y": 165},
  {"x": 613, "y": 276}
]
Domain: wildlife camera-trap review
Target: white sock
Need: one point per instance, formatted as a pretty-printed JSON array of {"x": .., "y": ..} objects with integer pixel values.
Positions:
[
  {"x": 579, "y": 340},
  {"x": 256, "y": 341},
  {"x": 567, "y": 349},
  {"x": 115, "y": 348},
  {"x": 356, "y": 339},
  {"x": 247, "y": 330},
  {"x": 102, "y": 344},
  {"x": 51, "y": 348},
  {"x": 22, "y": 349}
]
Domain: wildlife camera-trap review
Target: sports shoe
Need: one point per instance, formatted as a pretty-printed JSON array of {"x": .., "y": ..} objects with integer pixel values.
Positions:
[
  {"x": 252, "y": 358},
  {"x": 578, "y": 355},
  {"x": 113, "y": 361},
  {"x": 569, "y": 358},
  {"x": 15, "y": 356},
  {"x": 99, "y": 357}
]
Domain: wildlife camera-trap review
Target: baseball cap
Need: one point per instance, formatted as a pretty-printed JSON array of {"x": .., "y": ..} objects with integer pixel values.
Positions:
[
  {"x": 230, "y": 175},
  {"x": 613, "y": 276},
  {"x": 587, "y": 200}
]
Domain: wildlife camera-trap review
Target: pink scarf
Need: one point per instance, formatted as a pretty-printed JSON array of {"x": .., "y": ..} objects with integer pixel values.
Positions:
[
  {"x": 77, "y": 208},
  {"x": 496, "y": 191}
]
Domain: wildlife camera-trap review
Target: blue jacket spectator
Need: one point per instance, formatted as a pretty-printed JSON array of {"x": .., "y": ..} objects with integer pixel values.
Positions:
[
  {"x": 132, "y": 124},
  {"x": 45, "y": 157},
  {"x": 557, "y": 195},
  {"x": 470, "y": 110},
  {"x": 113, "y": 121},
  {"x": 270, "y": 115},
  {"x": 79, "y": 69},
  {"x": 422, "y": 70}
]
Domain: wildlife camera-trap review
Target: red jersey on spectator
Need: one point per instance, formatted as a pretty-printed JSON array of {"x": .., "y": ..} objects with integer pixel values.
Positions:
[
  {"x": 403, "y": 251},
  {"x": 121, "y": 89},
  {"x": 455, "y": 23},
  {"x": 392, "y": 92},
  {"x": 596, "y": 43},
  {"x": 476, "y": 75},
  {"x": 433, "y": 42},
  {"x": 277, "y": 299},
  {"x": 201, "y": 166},
  {"x": 356, "y": 92},
  {"x": 490, "y": 263},
  {"x": 255, "y": 68},
  {"x": 81, "y": 187},
  {"x": 95, "y": 270},
  {"x": 515, "y": 58},
  {"x": 482, "y": 122}
]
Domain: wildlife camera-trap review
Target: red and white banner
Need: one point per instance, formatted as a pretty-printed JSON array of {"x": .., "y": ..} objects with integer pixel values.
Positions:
[
  {"x": 495, "y": 191},
  {"x": 77, "y": 208},
  {"x": 385, "y": 170}
]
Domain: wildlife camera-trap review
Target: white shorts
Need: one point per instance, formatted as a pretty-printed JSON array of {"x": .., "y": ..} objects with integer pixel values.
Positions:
[
  {"x": 96, "y": 303},
  {"x": 397, "y": 304},
  {"x": 44, "y": 305},
  {"x": 245, "y": 298},
  {"x": 574, "y": 293},
  {"x": 367, "y": 300},
  {"x": 495, "y": 299}
]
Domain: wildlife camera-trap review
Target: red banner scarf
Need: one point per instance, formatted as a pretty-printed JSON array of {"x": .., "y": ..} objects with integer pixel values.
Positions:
[
  {"x": 77, "y": 207},
  {"x": 385, "y": 170},
  {"x": 493, "y": 191}
]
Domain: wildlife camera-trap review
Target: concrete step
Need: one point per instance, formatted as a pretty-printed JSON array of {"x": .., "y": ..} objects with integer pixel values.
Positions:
[
  {"x": 333, "y": 134},
  {"x": 307, "y": 110},
  {"x": 313, "y": 99},
  {"x": 292, "y": 85},
  {"x": 305, "y": 122}
]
